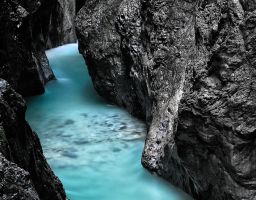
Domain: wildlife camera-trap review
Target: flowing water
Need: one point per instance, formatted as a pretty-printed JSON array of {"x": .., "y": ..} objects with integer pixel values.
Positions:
[{"x": 93, "y": 147}]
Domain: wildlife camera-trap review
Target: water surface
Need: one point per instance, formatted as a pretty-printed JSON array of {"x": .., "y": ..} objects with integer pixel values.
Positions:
[{"x": 95, "y": 148}]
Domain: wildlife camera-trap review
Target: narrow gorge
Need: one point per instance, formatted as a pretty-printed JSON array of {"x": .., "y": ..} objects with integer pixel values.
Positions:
[
  {"x": 185, "y": 69},
  {"x": 93, "y": 146}
]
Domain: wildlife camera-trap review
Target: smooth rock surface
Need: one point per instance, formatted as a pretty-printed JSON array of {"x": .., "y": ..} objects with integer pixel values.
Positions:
[{"x": 188, "y": 69}]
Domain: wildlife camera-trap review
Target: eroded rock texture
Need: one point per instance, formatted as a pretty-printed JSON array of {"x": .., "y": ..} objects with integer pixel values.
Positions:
[
  {"x": 20, "y": 145},
  {"x": 15, "y": 183},
  {"x": 187, "y": 68},
  {"x": 61, "y": 22},
  {"x": 27, "y": 29}
]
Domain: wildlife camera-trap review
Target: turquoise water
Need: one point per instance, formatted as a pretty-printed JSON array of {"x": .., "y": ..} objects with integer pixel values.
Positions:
[{"x": 95, "y": 148}]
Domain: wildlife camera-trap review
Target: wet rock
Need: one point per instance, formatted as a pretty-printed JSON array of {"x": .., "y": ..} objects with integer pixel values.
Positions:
[
  {"x": 125, "y": 146},
  {"x": 123, "y": 127},
  {"x": 187, "y": 69},
  {"x": 123, "y": 124},
  {"x": 139, "y": 133},
  {"x": 62, "y": 125},
  {"x": 66, "y": 136},
  {"x": 59, "y": 133},
  {"x": 85, "y": 115},
  {"x": 115, "y": 150},
  {"x": 82, "y": 142},
  {"x": 20, "y": 145},
  {"x": 69, "y": 154},
  {"x": 69, "y": 122},
  {"x": 132, "y": 139},
  {"x": 109, "y": 125}
]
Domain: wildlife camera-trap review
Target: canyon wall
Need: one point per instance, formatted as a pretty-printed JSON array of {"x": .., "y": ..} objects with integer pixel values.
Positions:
[
  {"x": 187, "y": 68},
  {"x": 27, "y": 29},
  {"x": 24, "y": 171}
]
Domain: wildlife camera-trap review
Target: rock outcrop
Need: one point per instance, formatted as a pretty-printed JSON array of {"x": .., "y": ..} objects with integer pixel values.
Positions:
[
  {"x": 61, "y": 23},
  {"x": 15, "y": 182},
  {"x": 27, "y": 29},
  {"x": 24, "y": 171},
  {"x": 79, "y": 5},
  {"x": 187, "y": 68}
]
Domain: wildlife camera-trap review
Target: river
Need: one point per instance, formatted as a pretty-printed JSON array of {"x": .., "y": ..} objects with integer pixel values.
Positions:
[{"x": 93, "y": 147}]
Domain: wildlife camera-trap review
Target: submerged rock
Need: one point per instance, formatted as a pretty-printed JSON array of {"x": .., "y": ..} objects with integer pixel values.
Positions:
[
  {"x": 69, "y": 122},
  {"x": 69, "y": 154},
  {"x": 30, "y": 175},
  {"x": 187, "y": 68}
]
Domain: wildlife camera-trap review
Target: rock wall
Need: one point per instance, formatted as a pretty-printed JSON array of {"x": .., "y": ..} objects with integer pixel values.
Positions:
[
  {"x": 27, "y": 29},
  {"x": 188, "y": 69},
  {"x": 15, "y": 182},
  {"x": 26, "y": 174},
  {"x": 61, "y": 24},
  {"x": 79, "y": 4}
]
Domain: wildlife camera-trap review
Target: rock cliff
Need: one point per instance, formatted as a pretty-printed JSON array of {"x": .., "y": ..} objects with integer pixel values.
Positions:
[
  {"x": 27, "y": 29},
  {"x": 15, "y": 183},
  {"x": 187, "y": 68},
  {"x": 25, "y": 172}
]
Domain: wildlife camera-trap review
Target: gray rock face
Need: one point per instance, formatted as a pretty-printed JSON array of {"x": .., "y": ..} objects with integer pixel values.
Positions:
[
  {"x": 187, "y": 68},
  {"x": 79, "y": 4},
  {"x": 61, "y": 24},
  {"x": 30, "y": 177},
  {"x": 27, "y": 29},
  {"x": 15, "y": 183}
]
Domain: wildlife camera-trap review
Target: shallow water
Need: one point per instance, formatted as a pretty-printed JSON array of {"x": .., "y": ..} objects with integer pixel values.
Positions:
[{"x": 95, "y": 148}]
